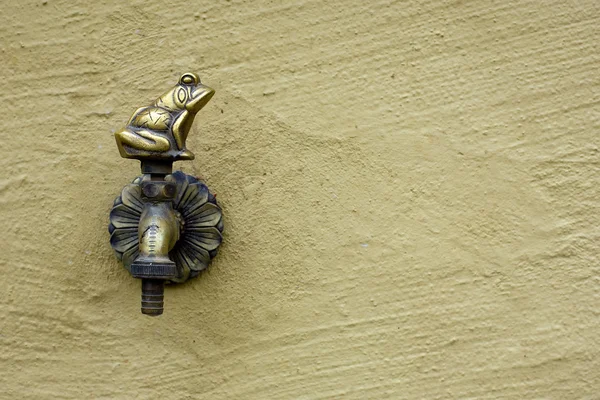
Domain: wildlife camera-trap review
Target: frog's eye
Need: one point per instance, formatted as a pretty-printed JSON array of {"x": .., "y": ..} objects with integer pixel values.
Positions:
[
  {"x": 189, "y": 79},
  {"x": 182, "y": 95}
]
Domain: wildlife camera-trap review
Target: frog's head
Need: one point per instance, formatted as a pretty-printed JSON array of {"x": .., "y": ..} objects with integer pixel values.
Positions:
[{"x": 189, "y": 94}]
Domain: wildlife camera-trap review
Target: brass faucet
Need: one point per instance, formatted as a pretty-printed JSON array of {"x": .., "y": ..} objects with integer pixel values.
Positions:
[{"x": 165, "y": 226}]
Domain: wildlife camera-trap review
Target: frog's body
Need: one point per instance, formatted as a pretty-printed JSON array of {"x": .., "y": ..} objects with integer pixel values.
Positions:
[{"x": 160, "y": 130}]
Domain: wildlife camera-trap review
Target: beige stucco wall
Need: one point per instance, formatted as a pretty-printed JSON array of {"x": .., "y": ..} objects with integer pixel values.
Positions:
[{"x": 410, "y": 191}]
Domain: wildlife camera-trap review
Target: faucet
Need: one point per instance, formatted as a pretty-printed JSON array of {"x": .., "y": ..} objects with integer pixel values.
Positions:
[
  {"x": 158, "y": 231},
  {"x": 165, "y": 226}
]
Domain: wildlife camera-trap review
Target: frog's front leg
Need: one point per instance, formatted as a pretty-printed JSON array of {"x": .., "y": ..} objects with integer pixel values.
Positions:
[
  {"x": 142, "y": 140},
  {"x": 180, "y": 129}
]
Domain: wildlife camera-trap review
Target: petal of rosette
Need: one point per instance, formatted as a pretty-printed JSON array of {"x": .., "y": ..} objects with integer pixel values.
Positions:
[
  {"x": 123, "y": 240},
  {"x": 196, "y": 196},
  {"x": 182, "y": 185},
  {"x": 205, "y": 238},
  {"x": 132, "y": 197},
  {"x": 130, "y": 255},
  {"x": 192, "y": 257},
  {"x": 122, "y": 216},
  {"x": 207, "y": 215}
]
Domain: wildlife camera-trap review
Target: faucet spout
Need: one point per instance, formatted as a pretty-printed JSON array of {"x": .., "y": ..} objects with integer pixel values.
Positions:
[{"x": 158, "y": 231}]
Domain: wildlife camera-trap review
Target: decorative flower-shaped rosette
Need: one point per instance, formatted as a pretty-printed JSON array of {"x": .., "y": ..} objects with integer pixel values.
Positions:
[{"x": 201, "y": 225}]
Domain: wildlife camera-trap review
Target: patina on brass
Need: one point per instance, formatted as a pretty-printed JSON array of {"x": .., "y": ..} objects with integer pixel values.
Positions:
[{"x": 165, "y": 226}]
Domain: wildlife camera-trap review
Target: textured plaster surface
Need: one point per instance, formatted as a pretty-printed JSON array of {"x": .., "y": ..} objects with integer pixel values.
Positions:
[{"x": 410, "y": 190}]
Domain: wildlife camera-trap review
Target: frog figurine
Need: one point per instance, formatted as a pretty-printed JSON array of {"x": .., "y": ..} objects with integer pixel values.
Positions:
[{"x": 159, "y": 131}]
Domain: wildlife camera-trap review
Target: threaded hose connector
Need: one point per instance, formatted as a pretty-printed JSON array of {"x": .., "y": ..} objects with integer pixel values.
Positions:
[{"x": 152, "y": 296}]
